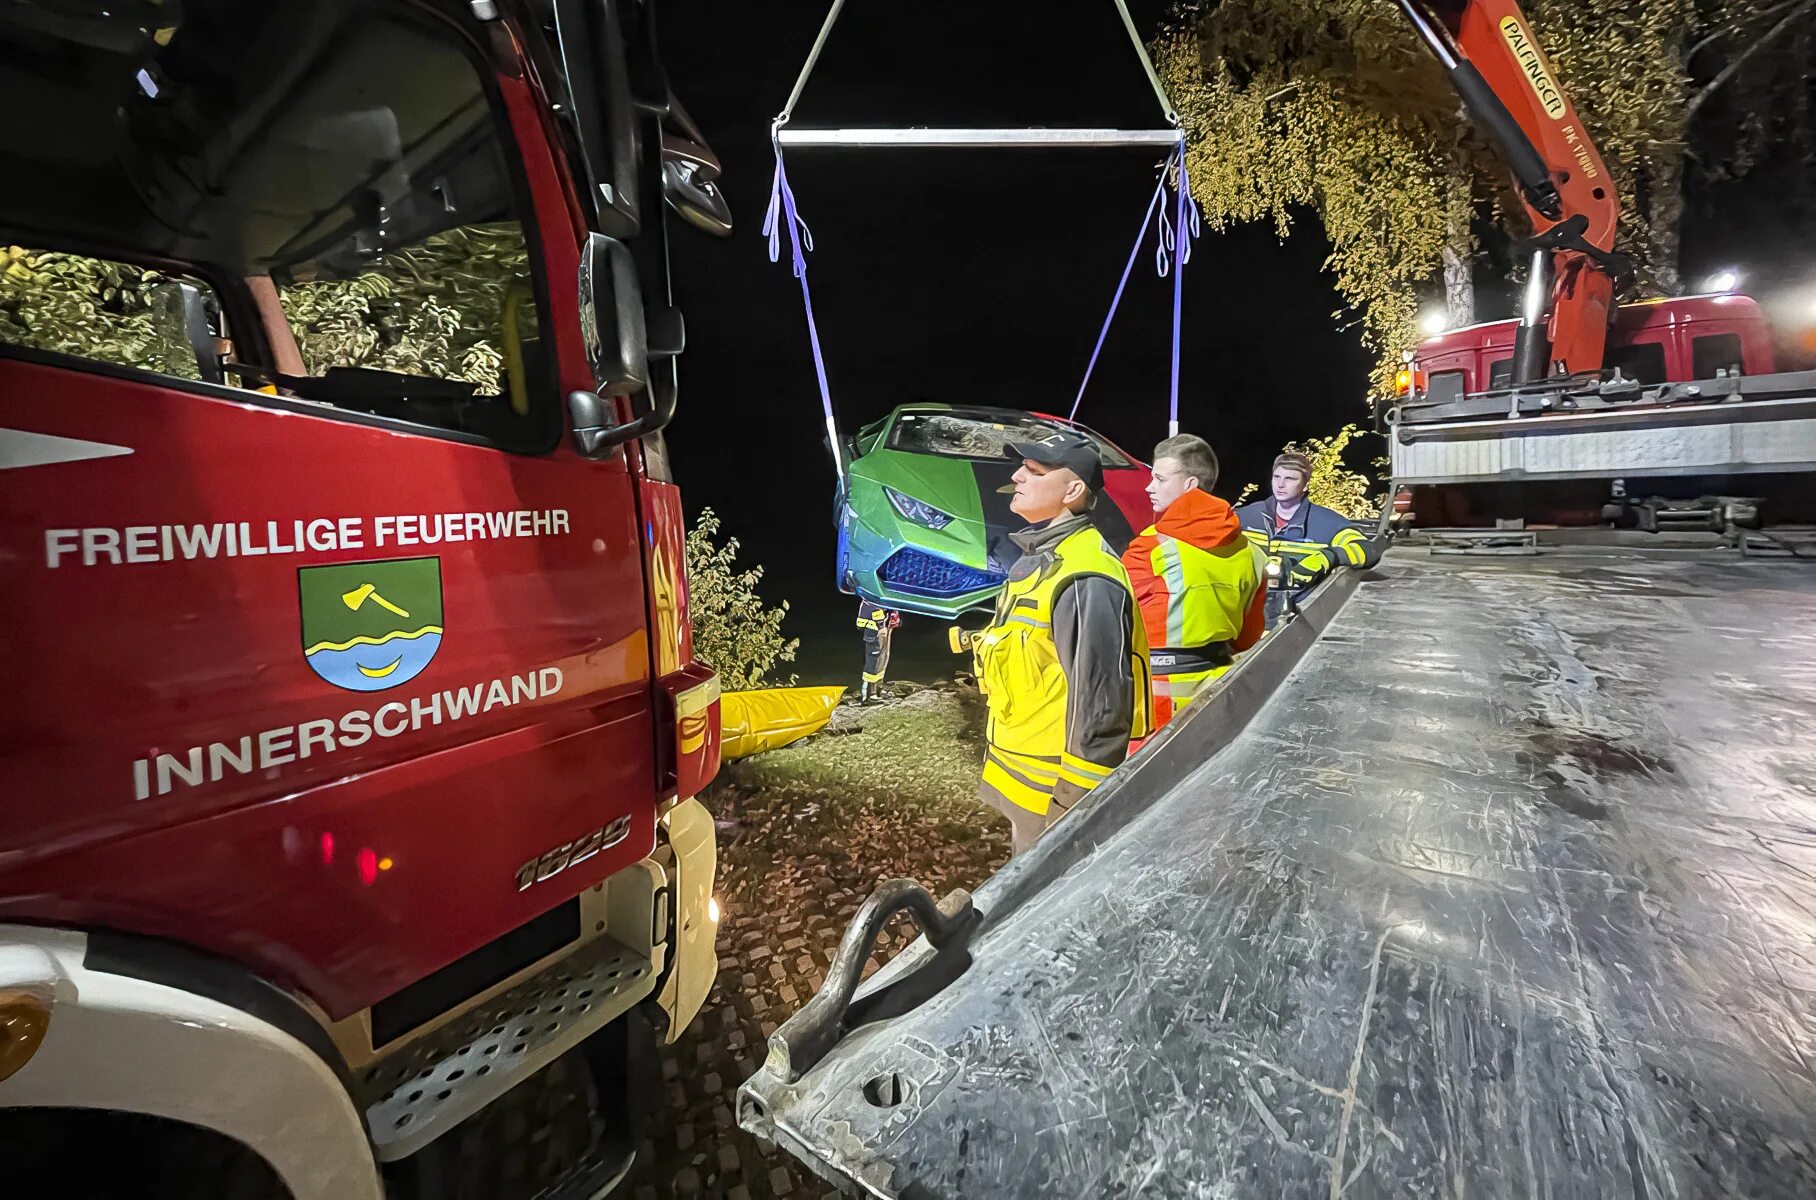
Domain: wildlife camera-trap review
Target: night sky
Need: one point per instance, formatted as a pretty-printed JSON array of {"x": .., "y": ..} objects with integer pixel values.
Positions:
[{"x": 966, "y": 276}]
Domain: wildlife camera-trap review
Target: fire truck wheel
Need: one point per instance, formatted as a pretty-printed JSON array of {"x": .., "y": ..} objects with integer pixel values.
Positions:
[{"x": 125, "y": 1156}]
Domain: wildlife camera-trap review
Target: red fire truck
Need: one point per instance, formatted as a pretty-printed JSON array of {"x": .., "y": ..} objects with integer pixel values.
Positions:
[{"x": 348, "y": 844}]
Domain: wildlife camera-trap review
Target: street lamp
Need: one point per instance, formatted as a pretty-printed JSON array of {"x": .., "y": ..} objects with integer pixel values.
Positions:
[{"x": 1433, "y": 321}]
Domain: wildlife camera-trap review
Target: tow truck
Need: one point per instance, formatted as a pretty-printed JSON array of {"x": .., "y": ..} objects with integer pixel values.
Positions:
[
  {"x": 350, "y": 844},
  {"x": 1488, "y": 873}
]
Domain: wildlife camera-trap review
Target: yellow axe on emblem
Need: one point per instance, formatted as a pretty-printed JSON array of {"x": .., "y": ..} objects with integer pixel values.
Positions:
[{"x": 364, "y": 592}]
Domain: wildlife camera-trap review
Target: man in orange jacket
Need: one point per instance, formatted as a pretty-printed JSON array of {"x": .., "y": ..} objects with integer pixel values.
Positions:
[{"x": 1200, "y": 584}]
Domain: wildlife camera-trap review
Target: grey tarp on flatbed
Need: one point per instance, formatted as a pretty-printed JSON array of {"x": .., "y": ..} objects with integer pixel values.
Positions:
[{"x": 1509, "y": 890}]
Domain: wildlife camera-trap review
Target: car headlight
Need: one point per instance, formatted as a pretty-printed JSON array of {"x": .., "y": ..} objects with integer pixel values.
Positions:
[{"x": 918, "y": 511}]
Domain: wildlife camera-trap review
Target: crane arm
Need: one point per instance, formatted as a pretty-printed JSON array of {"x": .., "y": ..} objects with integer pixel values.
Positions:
[{"x": 1512, "y": 94}]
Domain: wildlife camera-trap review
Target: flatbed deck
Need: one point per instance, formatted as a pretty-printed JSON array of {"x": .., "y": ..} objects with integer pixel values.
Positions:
[{"x": 1506, "y": 886}]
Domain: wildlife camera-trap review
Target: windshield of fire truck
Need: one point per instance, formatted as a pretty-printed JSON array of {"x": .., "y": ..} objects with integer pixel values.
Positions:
[
  {"x": 344, "y": 157},
  {"x": 248, "y": 135}
]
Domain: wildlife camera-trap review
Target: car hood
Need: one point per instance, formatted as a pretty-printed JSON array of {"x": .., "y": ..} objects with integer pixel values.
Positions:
[{"x": 974, "y": 493}]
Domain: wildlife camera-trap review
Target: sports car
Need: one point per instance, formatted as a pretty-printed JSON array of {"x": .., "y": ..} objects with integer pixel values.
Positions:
[{"x": 923, "y": 514}]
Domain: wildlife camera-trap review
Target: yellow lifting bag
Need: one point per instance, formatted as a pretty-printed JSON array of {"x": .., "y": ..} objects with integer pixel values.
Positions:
[{"x": 753, "y": 722}]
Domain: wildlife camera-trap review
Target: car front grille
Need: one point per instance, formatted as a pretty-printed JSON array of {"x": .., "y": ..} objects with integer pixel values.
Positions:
[{"x": 923, "y": 574}]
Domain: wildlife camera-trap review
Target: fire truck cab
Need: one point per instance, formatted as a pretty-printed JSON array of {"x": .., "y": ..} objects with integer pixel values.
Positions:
[{"x": 349, "y": 831}]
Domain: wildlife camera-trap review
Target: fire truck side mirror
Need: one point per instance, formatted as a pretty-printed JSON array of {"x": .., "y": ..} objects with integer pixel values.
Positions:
[
  {"x": 180, "y": 314},
  {"x": 690, "y": 183},
  {"x": 616, "y": 333},
  {"x": 611, "y": 317},
  {"x": 698, "y": 199},
  {"x": 594, "y": 417}
]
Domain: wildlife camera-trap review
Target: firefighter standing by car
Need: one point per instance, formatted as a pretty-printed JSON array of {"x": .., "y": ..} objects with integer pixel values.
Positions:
[
  {"x": 1064, "y": 663},
  {"x": 878, "y": 624},
  {"x": 1303, "y": 541},
  {"x": 1200, "y": 584}
]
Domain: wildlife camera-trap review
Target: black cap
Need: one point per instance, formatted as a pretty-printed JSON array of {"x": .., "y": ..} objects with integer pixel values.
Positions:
[{"x": 1070, "y": 450}]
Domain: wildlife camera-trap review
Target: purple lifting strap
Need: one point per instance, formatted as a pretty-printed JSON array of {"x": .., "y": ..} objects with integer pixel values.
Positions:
[
  {"x": 800, "y": 240},
  {"x": 1184, "y": 236},
  {"x": 1116, "y": 300},
  {"x": 1174, "y": 244},
  {"x": 1172, "y": 250}
]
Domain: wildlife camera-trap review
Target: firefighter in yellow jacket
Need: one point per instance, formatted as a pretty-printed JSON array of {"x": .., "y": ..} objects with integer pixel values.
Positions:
[{"x": 1064, "y": 664}]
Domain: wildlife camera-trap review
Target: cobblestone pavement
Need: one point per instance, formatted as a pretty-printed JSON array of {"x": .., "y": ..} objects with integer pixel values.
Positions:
[{"x": 795, "y": 864}]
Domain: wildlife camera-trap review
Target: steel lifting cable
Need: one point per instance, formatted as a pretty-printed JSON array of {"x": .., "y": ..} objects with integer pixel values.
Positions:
[
  {"x": 975, "y": 137},
  {"x": 1175, "y": 236}
]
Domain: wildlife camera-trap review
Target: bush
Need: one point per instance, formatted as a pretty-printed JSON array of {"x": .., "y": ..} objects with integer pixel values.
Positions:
[{"x": 733, "y": 629}]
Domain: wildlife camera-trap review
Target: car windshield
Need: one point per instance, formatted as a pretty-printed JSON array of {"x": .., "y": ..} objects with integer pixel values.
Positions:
[{"x": 950, "y": 435}]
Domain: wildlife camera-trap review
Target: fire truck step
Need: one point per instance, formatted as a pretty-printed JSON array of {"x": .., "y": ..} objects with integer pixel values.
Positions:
[{"x": 430, "y": 1086}]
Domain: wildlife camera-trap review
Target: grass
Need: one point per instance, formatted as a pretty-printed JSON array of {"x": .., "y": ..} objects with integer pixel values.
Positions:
[
  {"x": 884, "y": 791},
  {"x": 922, "y": 751}
]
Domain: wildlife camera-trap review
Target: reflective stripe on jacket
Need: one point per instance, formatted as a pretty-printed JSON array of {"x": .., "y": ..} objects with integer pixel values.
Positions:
[
  {"x": 1314, "y": 530},
  {"x": 1064, "y": 667},
  {"x": 1200, "y": 587}
]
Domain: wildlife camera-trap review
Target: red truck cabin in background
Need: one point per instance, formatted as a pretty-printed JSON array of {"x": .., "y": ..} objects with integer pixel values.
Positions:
[
  {"x": 1691, "y": 337},
  {"x": 349, "y": 773},
  {"x": 1690, "y": 416}
]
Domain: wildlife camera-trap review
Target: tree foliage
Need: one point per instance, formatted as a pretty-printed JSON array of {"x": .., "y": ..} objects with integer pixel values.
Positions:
[
  {"x": 1327, "y": 108},
  {"x": 1332, "y": 107},
  {"x": 69, "y": 304},
  {"x": 734, "y": 629},
  {"x": 434, "y": 309}
]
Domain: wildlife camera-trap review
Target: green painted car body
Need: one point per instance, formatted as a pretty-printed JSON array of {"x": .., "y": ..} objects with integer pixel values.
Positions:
[{"x": 923, "y": 521}]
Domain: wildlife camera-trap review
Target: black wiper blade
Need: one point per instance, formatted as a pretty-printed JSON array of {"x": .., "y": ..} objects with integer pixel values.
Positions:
[{"x": 352, "y": 386}]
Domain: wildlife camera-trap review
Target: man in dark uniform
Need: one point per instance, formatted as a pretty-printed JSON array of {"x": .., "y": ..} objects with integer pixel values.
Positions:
[
  {"x": 1303, "y": 541},
  {"x": 877, "y": 623}
]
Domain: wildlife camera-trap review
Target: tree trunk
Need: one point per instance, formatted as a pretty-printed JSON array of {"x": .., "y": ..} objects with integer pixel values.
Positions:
[
  {"x": 1665, "y": 217},
  {"x": 1459, "y": 256}
]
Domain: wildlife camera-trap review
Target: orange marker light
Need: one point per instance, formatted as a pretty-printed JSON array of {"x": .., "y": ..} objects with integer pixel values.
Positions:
[{"x": 24, "y": 1018}]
